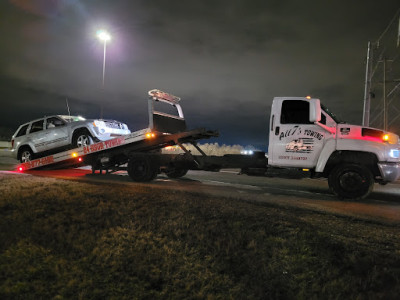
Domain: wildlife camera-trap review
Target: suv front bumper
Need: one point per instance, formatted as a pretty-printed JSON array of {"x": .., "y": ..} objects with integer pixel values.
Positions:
[{"x": 389, "y": 171}]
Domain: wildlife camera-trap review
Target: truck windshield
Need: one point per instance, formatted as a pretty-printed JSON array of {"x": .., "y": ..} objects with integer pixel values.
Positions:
[{"x": 331, "y": 114}]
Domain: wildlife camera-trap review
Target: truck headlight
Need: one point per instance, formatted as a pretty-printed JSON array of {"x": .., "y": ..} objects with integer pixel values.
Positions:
[{"x": 394, "y": 153}]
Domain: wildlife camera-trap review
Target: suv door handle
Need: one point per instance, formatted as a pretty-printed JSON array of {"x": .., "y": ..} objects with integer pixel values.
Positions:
[{"x": 277, "y": 130}]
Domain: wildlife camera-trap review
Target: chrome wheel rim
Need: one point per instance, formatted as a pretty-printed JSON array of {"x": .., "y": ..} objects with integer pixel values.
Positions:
[
  {"x": 26, "y": 156},
  {"x": 82, "y": 141}
]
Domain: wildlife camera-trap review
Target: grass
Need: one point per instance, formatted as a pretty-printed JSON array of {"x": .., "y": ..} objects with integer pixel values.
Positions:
[{"x": 69, "y": 240}]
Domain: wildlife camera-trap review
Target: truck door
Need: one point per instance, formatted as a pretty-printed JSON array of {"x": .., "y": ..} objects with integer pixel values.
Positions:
[{"x": 294, "y": 141}]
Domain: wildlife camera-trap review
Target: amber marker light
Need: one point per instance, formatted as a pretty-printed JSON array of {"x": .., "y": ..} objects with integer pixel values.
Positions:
[
  {"x": 308, "y": 97},
  {"x": 385, "y": 137},
  {"x": 74, "y": 154},
  {"x": 150, "y": 135}
]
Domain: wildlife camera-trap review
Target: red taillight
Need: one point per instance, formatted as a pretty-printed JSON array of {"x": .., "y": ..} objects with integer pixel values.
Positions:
[
  {"x": 12, "y": 143},
  {"x": 20, "y": 169}
]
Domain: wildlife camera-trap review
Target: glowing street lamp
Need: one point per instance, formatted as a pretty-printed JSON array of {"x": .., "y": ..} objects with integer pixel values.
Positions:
[{"x": 104, "y": 36}]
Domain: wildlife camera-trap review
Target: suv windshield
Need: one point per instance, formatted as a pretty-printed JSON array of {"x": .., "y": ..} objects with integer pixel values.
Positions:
[
  {"x": 70, "y": 119},
  {"x": 331, "y": 114}
]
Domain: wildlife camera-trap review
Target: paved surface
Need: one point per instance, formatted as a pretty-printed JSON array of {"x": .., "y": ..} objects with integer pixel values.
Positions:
[{"x": 383, "y": 205}]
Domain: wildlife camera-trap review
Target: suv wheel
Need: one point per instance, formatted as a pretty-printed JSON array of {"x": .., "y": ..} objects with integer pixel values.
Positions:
[
  {"x": 26, "y": 155},
  {"x": 81, "y": 139}
]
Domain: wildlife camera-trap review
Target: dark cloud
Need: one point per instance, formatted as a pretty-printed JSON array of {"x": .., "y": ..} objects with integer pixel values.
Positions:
[{"x": 226, "y": 59}]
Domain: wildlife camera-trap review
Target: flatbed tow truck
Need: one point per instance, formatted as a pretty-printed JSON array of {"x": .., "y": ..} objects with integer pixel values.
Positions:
[
  {"x": 140, "y": 152},
  {"x": 304, "y": 137}
]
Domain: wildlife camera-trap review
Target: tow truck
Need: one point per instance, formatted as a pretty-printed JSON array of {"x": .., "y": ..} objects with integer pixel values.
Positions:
[
  {"x": 351, "y": 157},
  {"x": 139, "y": 153}
]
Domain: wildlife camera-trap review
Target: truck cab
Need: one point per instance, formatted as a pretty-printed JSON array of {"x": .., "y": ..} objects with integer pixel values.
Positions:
[{"x": 306, "y": 135}]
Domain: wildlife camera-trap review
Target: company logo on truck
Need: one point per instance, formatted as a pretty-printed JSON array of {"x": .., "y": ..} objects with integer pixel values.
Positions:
[
  {"x": 304, "y": 145},
  {"x": 38, "y": 162},
  {"x": 297, "y": 130},
  {"x": 104, "y": 145}
]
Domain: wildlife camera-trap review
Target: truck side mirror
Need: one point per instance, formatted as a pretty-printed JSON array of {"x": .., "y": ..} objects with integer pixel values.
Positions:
[{"x": 315, "y": 110}]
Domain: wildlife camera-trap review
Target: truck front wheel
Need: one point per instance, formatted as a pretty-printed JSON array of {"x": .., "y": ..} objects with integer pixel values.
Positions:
[
  {"x": 351, "y": 181},
  {"x": 142, "y": 169}
]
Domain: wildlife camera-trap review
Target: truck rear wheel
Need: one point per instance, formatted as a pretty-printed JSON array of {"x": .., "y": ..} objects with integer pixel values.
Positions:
[
  {"x": 351, "y": 181},
  {"x": 142, "y": 169}
]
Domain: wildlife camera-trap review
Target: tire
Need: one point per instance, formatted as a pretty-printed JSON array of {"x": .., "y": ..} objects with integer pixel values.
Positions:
[
  {"x": 175, "y": 172},
  {"x": 351, "y": 181},
  {"x": 25, "y": 155},
  {"x": 81, "y": 139},
  {"x": 142, "y": 169}
]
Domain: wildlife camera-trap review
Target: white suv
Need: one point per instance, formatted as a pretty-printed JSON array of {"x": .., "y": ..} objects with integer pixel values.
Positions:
[{"x": 55, "y": 133}]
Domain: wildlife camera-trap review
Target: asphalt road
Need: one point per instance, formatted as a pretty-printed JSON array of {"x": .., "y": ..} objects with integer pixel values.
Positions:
[{"x": 383, "y": 205}]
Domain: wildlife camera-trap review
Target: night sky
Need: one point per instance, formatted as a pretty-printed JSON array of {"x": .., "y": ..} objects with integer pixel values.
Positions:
[{"x": 226, "y": 59}]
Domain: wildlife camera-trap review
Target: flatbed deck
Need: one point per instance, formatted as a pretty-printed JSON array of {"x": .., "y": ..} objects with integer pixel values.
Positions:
[
  {"x": 164, "y": 130},
  {"x": 140, "y": 152}
]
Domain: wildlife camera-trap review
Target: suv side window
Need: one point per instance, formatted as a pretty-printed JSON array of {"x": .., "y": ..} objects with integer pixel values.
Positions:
[
  {"x": 37, "y": 126},
  {"x": 295, "y": 112},
  {"x": 53, "y": 122},
  {"x": 22, "y": 131}
]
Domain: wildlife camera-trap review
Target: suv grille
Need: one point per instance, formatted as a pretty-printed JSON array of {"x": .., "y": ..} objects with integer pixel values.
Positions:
[{"x": 115, "y": 125}]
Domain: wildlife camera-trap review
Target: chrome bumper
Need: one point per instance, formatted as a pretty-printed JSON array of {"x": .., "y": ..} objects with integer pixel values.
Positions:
[{"x": 389, "y": 171}]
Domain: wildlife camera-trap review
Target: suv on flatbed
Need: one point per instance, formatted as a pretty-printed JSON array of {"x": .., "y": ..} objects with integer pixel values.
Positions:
[{"x": 58, "y": 132}]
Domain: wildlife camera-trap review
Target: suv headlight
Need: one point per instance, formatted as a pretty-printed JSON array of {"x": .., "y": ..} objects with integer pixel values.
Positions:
[
  {"x": 100, "y": 126},
  {"x": 98, "y": 123}
]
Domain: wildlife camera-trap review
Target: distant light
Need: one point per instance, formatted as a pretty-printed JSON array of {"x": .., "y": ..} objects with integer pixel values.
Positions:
[
  {"x": 247, "y": 152},
  {"x": 103, "y": 35}
]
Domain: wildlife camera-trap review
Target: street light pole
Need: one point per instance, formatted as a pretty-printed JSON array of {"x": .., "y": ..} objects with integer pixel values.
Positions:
[
  {"x": 367, "y": 90},
  {"x": 104, "y": 61},
  {"x": 103, "y": 36}
]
